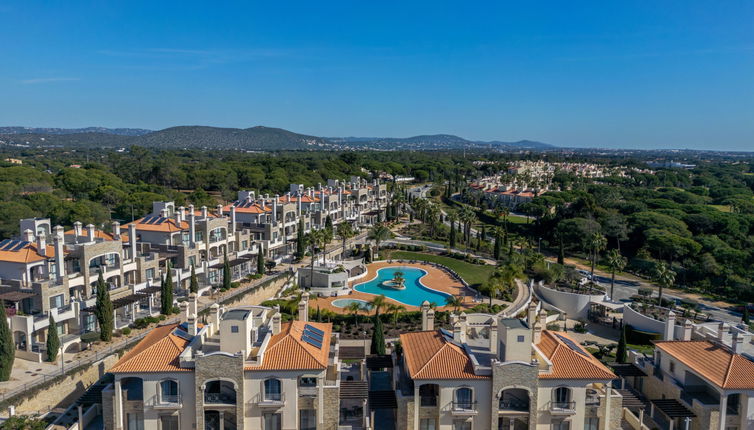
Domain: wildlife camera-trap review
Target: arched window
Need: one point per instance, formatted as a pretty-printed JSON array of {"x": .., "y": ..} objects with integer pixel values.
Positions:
[
  {"x": 169, "y": 391},
  {"x": 272, "y": 389},
  {"x": 463, "y": 398},
  {"x": 562, "y": 398}
]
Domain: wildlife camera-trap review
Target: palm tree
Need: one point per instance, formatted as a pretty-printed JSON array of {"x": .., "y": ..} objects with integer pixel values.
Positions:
[
  {"x": 327, "y": 237},
  {"x": 394, "y": 309},
  {"x": 597, "y": 243},
  {"x": 455, "y": 302},
  {"x": 616, "y": 262},
  {"x": 313, "y": 239},
  {"x": 467, "y": 217},
  {"x": 345, "y": 231},
  {"x": 379, "y": 233},
  {"x": 665, "y": 278},
  {"x": 378, "y": 303},
  {"x": 354, "y": 308}
]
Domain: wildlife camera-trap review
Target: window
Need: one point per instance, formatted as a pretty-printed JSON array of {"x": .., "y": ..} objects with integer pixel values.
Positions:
[
  {"x": 198, "y": 236},
  {"x": 307, "y": 381},
  {"x": 672, "y": 366},
  {"x": 521, "y": 339},
  {"x": 149, "y": 273},
  {"x": 427, "y": 424},
  {"x": 134, "y": 422},
  {"x": 57, "y": 301},
  {"x": 169, "y": 391},
  {"x": 562, "y": 398},
  {"x": 234, "y": 329},
  {"x": 192, "y": 261},
  {"x": 244, "y": 245},
  {"x": 307, "y": 419},
  {"x": 272, "y": 389},
  {"x": 461, "y": 425},
  {"x": 168, "y": 422},
  {"x": 732, "y": 406},
  {"x": 463, "y": 399},
  {"x": 561, "y": 424},
  {"x": 592, "y": 423},
  {"x": 272, "y": 421}
]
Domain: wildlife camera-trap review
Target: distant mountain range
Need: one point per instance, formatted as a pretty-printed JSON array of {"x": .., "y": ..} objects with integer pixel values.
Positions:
[{"x": 250, "y": 139}]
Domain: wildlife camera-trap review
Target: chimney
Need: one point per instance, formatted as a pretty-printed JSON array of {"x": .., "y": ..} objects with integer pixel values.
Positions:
[
  {"x": 28, "y": 235},
  {"x": 219, "y": 209},
  {"x": 91, "y": 233},
  {"x": 232, "y": 219},
  {"x": 298, "y": 200},
  {"x": 132, "y": 239},
  {"x": 428, "y": 317},
  {"x": 737, "y": 343},
  {"x": 116, "y": 230},
  {"x": 192, "y": 225},
  {"x": 537, "y": 332},
  {"x": 276, "y": 322},
  {"x": 493, "y": 337},
  {"x": 687, "y": 328},
  {"x": 214, "y": 318},
  {"x": 179, "y": 216},
  {"x": 532, "y": 316},
  {"x": 275, "y": 209},
  {"x": 721, "y": 330},
  {"x": 42, "y": 245},
  {"x": 59, "y": 238},
  {"x": 459, "y": 332},
  {"x": 191, "y": 208},
  {"x": 77, "y": 230},
  {"x": 303, "y": 308},
  {"x": 204, "y": 212},
  {"x": 163, "y": 213},
  {"x": 543, "y": 317},
  {"x": 192, "y": 327},
  {"x": 669, "y": 326}
]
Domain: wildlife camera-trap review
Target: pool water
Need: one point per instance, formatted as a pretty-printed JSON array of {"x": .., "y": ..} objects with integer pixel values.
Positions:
[
  {"x": 344, "y": 303},
  {"x": 413, "y": 295}
]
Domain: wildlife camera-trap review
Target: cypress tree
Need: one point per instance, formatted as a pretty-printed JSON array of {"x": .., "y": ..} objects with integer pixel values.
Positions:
[
  {"x": 745, "y": 316},
  {"x": 53, "y": 341},
  {"x": 497, "y": 249},
  {"x": 328, "y": 223},
  {"x": 378, "y": 337},
  {"x": 226, "y": 271},
  {"x": 300, "y": 240},
  {"x": 452, "y": 237},
  {"x": 260, "y": 261},
  {"x": 561, "y": 252},
  {"x": 621, "y": 354},
  {"x": 103, "y": 310},
  {"x": 368, "y": 256},
  {"x": 7, "y": 348},
  {"x": 193, "y": 283},
  {"x": 166, "y": 292}
]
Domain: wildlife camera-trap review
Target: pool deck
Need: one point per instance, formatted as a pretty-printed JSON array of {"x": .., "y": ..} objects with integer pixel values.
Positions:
[{"x": 436, "y": 279}]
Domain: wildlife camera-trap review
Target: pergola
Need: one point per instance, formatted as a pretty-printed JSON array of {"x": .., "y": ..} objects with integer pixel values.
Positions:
[{"x": 673, "y": 410}]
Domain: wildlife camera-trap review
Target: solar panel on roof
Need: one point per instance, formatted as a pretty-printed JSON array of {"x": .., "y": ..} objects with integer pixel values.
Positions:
[
  {"x": 571, "y": 344},
  {"x": 19, "y": 246},
  {"x": 313, "y": 335},
  {"x": 312, "y": 341},
  {"x": 4, "y": 243},
  {"x": 160, "y": 220},
  {"x": 314, "y": 329},
  {"x": 182, "y": 334},
  {"x": 146, "y": 220}
]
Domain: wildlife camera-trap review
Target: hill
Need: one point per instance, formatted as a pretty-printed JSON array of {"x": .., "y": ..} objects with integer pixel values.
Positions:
[
  {"x": 435, "y": 142},
  {"x": 59, "y": 131}
]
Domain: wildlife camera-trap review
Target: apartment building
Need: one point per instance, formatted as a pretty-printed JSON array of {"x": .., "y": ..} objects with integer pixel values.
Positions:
[
  {"x": 242, "y": 369},
  {"x": 501, "y": 373},
  {"x": 53, "y": 272}
]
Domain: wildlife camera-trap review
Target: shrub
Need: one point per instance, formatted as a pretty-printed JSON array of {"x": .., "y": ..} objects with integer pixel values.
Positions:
[
  {"x": 553, "y": 327},
  {"x": 639, "y": 337},
  {"x": 90, "y": 337},
  {"x": 580, "y": 327},
  {"x": 126, "y": 331}
]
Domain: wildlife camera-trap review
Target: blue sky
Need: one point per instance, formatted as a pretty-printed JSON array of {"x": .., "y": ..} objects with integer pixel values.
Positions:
[{"x": 636, "y": 74}]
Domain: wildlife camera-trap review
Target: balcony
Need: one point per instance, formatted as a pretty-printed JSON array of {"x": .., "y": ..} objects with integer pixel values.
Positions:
[
  {"x": 464, "y": 408},
  {"x": 428, "y": 401},
  {"x": 219, "y": 398},
  {"x": 516, "y": 406},
  {"x": 270, "y": 401},
  {"x": 309, "y": 391},
  {"x": 562, "y": 408},
  {"x": 166, "y": 401}
]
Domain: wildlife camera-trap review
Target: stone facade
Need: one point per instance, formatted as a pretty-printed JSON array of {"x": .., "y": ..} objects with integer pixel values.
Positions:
[
  {"x": 330, "y": 409},
  {"x": 514, "y": 375},
  {"x": 219, "y": 366}
]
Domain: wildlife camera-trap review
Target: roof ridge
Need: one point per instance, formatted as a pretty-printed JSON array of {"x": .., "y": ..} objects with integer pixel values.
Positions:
[
  {"x": 301, "y": 346},
  {"x": 447, "y": 344},
  {"x": 728, "y": 370}
]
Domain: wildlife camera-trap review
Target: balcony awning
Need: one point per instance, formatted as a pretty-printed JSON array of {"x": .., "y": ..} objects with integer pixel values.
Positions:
[
  {"x": 672, "y": 408},
  {"x": 608, "y": 304},
  {"x": 121, "y": 301},
  {"x": 149, "y": 290},
  {"x": 625, "y": 370}
]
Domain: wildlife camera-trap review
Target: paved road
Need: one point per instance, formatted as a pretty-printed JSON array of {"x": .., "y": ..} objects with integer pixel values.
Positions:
[{"x": 625, "y": 287}]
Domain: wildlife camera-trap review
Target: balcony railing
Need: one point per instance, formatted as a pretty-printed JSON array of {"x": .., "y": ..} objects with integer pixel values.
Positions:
[
  {"x": 270, "y": 400},
  {"x": 165, "y": 401},
  {"x": 514, "y": 405},
  {"x": 220, "y": 398},
  {"x": 308, "y": 391},
  {"x": 563, "y": 407},
  {"x": 463, "y": 408}
]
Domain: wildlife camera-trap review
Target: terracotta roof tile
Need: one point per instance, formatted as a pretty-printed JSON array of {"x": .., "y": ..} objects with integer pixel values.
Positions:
[
  {"x": 568, "y": 363},
  {"x": 714, "y": 362},
  {"x": 157, "y": 352},
  {"x": 287, "y": 351},
  {"x": 167, "y": 225},
  {"x": 28, "y": 253},
  {"x": 429, "y": 355}
]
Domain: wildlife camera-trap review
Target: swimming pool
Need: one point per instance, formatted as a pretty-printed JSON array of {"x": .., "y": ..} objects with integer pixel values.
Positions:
[
  {"x": 344, "y": 303},
  {"x": 413, "y": 295}
]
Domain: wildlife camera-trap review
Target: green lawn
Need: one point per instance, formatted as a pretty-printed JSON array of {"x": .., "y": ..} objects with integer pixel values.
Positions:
[
  {"x": 474, "y": 274},
  {"x": 722, "y": 208}
]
